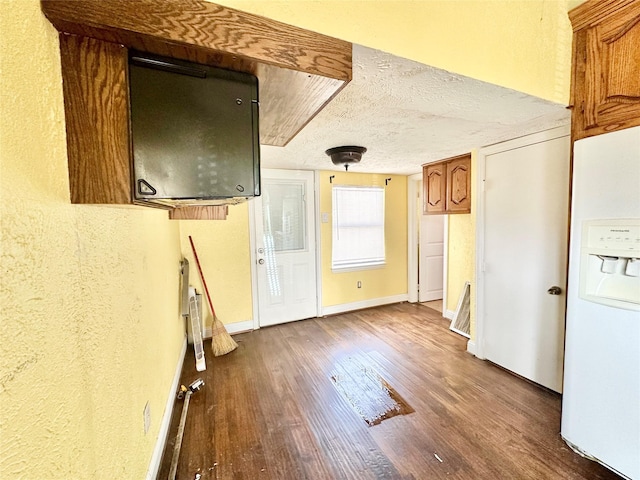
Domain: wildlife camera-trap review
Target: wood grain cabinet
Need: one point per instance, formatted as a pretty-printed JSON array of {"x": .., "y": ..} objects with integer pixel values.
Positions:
[
  {"x": 447, "y": 186},
  {"x": 434, "y": 180},
  {"x": 605, "y": 88},
  {"x": 299, "y": 72},
  {"x": 459, "y": 185}
]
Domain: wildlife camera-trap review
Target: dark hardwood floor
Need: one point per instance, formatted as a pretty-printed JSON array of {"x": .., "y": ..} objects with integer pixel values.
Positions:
[{"x": 292, "y": 403}]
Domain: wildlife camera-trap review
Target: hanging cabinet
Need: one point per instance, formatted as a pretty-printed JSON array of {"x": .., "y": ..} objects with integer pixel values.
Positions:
[
  {"x": 605, "y": 88},
  {"x": 447, "y": 186},
  {"x": 434, "y": 180},
  {"x": 299, "y": 72}
]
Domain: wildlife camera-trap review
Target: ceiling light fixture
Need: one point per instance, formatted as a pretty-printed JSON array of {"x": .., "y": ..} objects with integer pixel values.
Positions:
[{"x": 345, "y": 155}]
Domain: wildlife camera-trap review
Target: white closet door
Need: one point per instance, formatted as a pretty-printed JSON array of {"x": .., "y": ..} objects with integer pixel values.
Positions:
[{"x": 525, "y": 255}]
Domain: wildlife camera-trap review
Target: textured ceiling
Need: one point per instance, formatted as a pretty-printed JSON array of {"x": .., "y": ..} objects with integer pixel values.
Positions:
[{"x": 406, "y": 114}]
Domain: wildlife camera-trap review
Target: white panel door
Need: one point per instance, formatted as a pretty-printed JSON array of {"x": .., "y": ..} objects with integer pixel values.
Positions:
[
  {"x": 285, "y": 247},
  {"x": 525, "y": 255},
  {"x": 431, "y": 257}
]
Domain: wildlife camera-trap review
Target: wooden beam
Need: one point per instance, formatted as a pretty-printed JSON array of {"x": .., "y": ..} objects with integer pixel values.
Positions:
[
  {"x": 299, "y": 71},
  {"x": 206, "y": 25},
  {"x": 594, "y": 11}
]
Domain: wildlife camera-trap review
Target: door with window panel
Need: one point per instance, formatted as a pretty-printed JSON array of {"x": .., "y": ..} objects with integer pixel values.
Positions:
[{"x": 285, "y": 243}]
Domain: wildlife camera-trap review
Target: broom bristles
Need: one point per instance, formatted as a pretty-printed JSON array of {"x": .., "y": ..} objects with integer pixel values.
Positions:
[{"x": 221, "y": 341}]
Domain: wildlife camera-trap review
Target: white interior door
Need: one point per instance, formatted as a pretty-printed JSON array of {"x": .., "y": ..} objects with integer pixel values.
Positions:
[
  {"x": 525, "y": 254},
  {"x": 431, "y": 257},
  {"x": 285, "y": 247}
]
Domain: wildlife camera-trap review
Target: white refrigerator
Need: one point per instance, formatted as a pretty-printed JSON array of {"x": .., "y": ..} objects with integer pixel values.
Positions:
[{"x": 601, "y": 396}]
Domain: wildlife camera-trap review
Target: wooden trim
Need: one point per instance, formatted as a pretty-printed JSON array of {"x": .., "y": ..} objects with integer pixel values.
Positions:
[
  {"x": 457, "y": 157},
  {"x": 594, "y": 11},
  {"x": 208, "y": 212},
  {"x": 96, "y": 104},
  {"x": 180, "y": 26}
]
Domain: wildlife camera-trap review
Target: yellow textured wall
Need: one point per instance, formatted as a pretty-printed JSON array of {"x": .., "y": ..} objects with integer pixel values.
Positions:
[
  {"x": 341, "y": 288},
  {"x": 90, "y": 328},
  {"x": 223, "y": 249},
  {"x": 521, "y": 44},
  {"x": 461, "y": 257},
  {"x": 462, "y": 251}
]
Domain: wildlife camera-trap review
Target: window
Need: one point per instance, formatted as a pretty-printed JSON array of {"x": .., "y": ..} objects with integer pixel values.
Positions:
[{"x": 358, "y": 227}]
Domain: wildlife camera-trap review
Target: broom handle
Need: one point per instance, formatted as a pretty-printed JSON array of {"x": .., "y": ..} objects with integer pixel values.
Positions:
[{"x": 193, "y": 248}]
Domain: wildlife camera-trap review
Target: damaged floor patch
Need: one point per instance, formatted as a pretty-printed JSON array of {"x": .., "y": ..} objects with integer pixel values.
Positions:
[{"x": 366, "y": 391}]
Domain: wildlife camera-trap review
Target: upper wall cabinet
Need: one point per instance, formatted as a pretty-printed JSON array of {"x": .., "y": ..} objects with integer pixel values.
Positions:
[
  {"x": 447, "y": 186},
  {"x": 605, "y": 89},
  {"x": 298, "y": 72},
  {"x": 459, "y": 184},
  {"x": 434, "y": 180}
]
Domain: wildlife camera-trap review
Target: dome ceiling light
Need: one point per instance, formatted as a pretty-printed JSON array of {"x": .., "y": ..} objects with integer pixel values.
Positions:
[{"x": 345, "y": 155}]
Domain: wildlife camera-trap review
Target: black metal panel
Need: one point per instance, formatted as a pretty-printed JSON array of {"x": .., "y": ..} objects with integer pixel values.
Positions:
[{"x": 194, "y": 130}]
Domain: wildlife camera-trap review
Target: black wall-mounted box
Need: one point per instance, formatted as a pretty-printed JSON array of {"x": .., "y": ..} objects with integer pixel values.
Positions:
[{"x": 194, "y": 131}]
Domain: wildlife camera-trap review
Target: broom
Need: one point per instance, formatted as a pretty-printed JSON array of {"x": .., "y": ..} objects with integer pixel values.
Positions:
[{"x": 221, "y": 341}]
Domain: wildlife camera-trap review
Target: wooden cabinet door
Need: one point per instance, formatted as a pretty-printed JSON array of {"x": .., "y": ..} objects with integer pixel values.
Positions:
[
  {"x": 459, "y": 185},
  {"x": 606, "y": 67},
  {"x": 434, "y": 185}
]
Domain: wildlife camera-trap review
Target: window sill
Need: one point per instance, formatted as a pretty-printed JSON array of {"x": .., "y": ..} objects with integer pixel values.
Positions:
[{"x": 358, "y": 268}]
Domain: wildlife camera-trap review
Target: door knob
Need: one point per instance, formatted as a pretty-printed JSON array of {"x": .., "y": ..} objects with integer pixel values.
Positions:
[
  {"x": 261, "y": 261},
  {"x": 555, "y": 290}
]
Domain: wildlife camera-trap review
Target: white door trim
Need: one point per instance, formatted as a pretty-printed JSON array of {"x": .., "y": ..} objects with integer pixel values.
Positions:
[
  {"x": 483, "y": 153},
  {"x": 316, "y": 227},
  {"x": 412, "y": 236},
  {"x": 413, "y": 210},
  {"x": 445, "y": 270},
  {"x": 254, "y": 264}
]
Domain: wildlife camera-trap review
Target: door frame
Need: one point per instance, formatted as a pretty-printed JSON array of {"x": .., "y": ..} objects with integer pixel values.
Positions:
[
  {"x": 540, "y": 137},
  {"x": 413, "y": 234},
  {"x": 313, "y": 224}
]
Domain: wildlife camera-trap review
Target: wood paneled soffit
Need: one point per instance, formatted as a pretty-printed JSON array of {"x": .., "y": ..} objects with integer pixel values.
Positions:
[{"x": 299, "y": 71}]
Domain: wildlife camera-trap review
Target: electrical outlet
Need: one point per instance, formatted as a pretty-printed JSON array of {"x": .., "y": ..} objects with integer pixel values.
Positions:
[
  {"x": 146, "y": 416},
  {"x": 359, "y": 284}
]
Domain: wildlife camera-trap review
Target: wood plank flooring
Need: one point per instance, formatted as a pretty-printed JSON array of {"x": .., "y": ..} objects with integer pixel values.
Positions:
[{"x": 270, "y": 410}]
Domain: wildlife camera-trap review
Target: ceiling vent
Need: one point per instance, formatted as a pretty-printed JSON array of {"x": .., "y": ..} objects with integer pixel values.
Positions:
[{"x": 345, "y": 155}]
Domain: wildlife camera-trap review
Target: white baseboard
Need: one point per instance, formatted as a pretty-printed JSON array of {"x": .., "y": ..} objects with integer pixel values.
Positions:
[
  {"x": 449, "y": 314},
  {"x": 232, "y": 328},
  {"x": 471, "y": 347},
  {"x": 161, "y": 441},
  {"x": 375, "y": 302}
]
